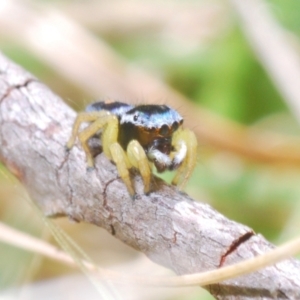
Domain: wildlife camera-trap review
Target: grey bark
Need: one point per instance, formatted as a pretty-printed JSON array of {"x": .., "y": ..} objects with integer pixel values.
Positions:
[{"x": 168, "y": 226}]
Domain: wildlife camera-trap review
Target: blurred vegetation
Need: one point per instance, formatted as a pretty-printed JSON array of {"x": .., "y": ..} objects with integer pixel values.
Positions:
[
  {"x": 286, "y": 13},
  {"x": 224, "y": 76}
]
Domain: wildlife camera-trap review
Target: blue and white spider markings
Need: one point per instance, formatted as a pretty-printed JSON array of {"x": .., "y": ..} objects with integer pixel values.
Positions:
[{"x": 139, "y": 137}]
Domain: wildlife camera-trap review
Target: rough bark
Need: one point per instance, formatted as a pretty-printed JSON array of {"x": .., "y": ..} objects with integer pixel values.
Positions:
[{"x": 168, "y": 226}]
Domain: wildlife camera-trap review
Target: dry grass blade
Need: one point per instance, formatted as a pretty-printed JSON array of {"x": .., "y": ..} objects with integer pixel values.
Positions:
[{"x": 24, "y": 241}]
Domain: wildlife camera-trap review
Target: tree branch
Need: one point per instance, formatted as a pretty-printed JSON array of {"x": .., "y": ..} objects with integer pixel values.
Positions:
[{"x": 168, "y": 226}]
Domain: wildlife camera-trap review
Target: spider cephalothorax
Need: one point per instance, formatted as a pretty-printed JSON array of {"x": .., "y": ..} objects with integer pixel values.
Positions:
[{"x": 137, "y": 137}]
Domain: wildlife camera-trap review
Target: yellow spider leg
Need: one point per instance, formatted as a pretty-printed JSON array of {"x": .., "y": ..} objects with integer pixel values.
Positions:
[
  {"x": 185, "y": 170},
  {"x": 137, "y": 157},
  {"x": 111, "y": 148},
  {"x": 107, "y": 120},
  {"x": 120, "y": 159},
  {"x": 82, "y": 118},
  {"x": 110, "y": 135}
]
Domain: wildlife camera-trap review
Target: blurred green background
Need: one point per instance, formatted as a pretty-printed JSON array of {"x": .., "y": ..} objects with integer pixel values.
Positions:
[{"x": 214, "y": 66}]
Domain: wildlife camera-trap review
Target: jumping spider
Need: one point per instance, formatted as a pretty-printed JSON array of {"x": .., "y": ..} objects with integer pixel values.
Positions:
[{"x": 138, "y": 137}]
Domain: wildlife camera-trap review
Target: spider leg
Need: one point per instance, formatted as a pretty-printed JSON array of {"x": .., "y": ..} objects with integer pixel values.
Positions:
[
  {"x": 184, "y": 137},
  {"x": 82, "y": 118},
  {"x": 114, "y": 151},
  {"x": 119, "y": 157},
  {"x": 137, "y": 157},
  {"x": 109, "y": 123},
  {"x": 111, "y": 148}
]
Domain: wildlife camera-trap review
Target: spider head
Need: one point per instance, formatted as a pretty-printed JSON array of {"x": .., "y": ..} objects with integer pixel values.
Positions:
[{"x": 153, "y": 127}]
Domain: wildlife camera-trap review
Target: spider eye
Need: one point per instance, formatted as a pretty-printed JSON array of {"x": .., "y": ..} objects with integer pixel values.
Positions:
[
  {"x": 135, "y": 117},
  {"x": 175, "y": 126},
  {"x": 164, "y": 130}
]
